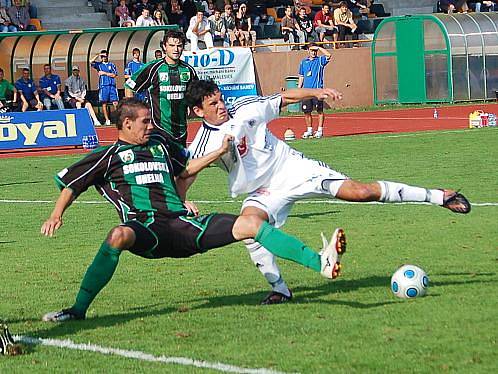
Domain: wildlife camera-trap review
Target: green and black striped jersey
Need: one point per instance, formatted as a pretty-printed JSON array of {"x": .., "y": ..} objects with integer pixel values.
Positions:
[
  {"x": 166, "y": 85},
  {"x": 137, "y": 179}
]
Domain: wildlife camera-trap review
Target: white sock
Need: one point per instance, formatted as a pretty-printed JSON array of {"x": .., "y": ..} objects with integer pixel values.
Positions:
[
  {"x": 394, "y": 192},
  {"x": 265, "y": 262},
  {"x": 310, "y": 129},
  {"x": 320, "y": 128}
]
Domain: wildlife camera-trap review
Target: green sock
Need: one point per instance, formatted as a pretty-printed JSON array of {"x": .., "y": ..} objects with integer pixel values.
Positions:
[
  {"x": 288, "y": 247},
  {"x": 98, "y": 274}
]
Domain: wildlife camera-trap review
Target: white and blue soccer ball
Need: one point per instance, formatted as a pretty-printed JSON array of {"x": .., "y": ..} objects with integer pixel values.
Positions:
[{"x": 409, "y": 281}]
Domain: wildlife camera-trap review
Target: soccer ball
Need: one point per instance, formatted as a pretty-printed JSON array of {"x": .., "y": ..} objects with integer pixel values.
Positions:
[{"x": 409, "y": 281}]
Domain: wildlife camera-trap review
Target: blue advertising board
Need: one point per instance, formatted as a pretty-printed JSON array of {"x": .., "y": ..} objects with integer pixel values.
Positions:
[{"x": 51, "y": 128}]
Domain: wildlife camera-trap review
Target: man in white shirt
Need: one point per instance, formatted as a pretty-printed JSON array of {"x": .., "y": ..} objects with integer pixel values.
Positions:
[
  {"x": 144, "y": 19},
  {"x": 199, "y": 29},
  {"x": 276, "y": 176}
]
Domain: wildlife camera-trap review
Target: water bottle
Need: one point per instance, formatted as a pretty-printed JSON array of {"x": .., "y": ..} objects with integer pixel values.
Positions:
[{"x": 435, "y": 114}]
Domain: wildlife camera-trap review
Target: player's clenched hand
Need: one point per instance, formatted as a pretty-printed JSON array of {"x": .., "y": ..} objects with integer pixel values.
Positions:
[
  {"x": 51, "y": 225},
  {"x": 191, "y": 208},
  {"x": 227, "y": 143},
  {"x": 329, "y": 93}
]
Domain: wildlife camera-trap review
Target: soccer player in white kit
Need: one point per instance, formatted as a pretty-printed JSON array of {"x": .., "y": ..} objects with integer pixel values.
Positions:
[{"x": 275, "y": 175}]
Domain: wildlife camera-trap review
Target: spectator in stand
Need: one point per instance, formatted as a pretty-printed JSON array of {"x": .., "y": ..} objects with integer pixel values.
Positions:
[
  {"x": 306, "y": 25},
  {"x": 141, "y": 5},
  {"x": 5, "y": 89},
  {"x": 132, "y": 67},
  {"x": 343, "y": 19},
  {"x": 158, "y": 54},
  {"x": 451, "y": 6},
  {"x": 28, "y": 93},
  {"x": 145, "y": 20},
  {"x": 324, "y": 24},
  {"x": 243, "y": 28},
  {"x": 311, "y": 76},
  {"x": 199, "y": 29},
  {"x": 160, "y": 8},
  {"x": 176, "y": 15},
  {"x": 484, "y": 6},
  {"x": 6, "y": 24},
  {"x": 158, "y": 18},
  {"x": 75, "y": 93},
  {"x": 19, "y": 16},
  {"x": 108, "y": 92},
  {"x": 258, "y": 12},
  {"x": 229, "y": 20},
  {"x": 360, "y": 7},
  {"x": 218, "y": 28},
  {"x": 122, "y": 13},
  {"x": 291, "y": 30},
  {"x": 50, "y": 87}
]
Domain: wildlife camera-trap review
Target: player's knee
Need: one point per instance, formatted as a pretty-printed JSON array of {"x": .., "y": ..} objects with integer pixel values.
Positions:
[
  {"x": 121, "y": 237},
  {"x": 246, "y": 227}
]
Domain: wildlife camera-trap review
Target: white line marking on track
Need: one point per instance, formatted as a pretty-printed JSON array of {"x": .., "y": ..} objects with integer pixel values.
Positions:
[
  {"x": 338, "y": 202},
  {"x": 138, "y": 355}
]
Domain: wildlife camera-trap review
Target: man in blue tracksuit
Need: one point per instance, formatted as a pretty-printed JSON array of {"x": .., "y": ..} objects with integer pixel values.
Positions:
[{"x": 108, "y": 92}]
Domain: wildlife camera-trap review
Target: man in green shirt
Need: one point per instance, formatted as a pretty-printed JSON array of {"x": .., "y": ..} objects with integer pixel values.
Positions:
[
  {"x": 5, "y": 87},
  {"x": 165, "y": 81},
  {"x": 138, "y": 174}
]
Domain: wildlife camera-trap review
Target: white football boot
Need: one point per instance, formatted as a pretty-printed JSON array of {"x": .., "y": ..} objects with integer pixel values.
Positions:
[{"x": 331, "y": 254}]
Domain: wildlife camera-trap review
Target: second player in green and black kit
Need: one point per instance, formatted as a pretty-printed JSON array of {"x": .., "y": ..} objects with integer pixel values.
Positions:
[{"x": 165, "y": 82}]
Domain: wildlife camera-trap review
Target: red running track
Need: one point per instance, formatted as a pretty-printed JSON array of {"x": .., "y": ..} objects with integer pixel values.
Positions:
[{"x": 340, "y": 124}]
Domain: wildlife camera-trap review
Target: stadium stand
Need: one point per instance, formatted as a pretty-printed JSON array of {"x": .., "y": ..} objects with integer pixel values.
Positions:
[{"x": 69, "y": 15}]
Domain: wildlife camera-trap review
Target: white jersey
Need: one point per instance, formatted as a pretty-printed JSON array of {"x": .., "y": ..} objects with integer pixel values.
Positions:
[{"x": 257, "y": 153}]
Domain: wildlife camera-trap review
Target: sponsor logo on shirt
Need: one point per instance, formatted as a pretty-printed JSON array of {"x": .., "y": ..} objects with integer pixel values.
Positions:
[
  {"x": 242, "y": 147},
  {"x": 163, "y": 77},
  {"x": 185, "y": 76}
]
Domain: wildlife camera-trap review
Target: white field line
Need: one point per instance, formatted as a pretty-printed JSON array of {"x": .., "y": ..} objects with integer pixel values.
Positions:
[
  {"x": 138, "y": 355},
  {"x": 331, "y": 201}
]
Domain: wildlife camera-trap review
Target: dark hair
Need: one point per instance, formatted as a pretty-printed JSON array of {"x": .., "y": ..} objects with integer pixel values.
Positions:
[
  {"x": 128, "y": 108},
  {"x": 47, "y": 65},
  {"x": 25, "y": 69},
  {"x": 198, "y": 90},
  {"x": 158, "y": 51},
  {"x": 174, "y": 34},
  {"x": 103, "y": 52},
  {"x": 135, "y": 50}
]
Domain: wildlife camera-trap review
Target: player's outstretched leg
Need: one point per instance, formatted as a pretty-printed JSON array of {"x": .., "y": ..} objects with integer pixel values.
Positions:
[
  {"x": 265, "y": 262},
  {"x": 98, "y": 274},
  {"x": 286, "y": 246},
  {"x": 395, "y": 192}
]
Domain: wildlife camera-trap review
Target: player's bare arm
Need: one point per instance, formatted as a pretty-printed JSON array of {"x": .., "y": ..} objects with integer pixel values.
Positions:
[
  {"x": 197, "y": 164},
  {"x": 54, "y": 222},
  {"x": 299, "y": 94}
]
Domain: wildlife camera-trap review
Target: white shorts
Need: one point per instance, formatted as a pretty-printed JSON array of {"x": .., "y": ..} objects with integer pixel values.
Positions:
[{"x": 300, "y": 178}]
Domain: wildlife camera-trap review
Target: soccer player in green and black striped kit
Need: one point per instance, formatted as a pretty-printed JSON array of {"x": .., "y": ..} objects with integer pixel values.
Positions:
[
  {"x": 165, "y": 82},
  {"x": 138, "y": 174}
]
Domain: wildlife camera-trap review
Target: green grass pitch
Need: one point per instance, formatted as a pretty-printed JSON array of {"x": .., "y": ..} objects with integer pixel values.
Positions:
[{"x": 206, "y": 307}]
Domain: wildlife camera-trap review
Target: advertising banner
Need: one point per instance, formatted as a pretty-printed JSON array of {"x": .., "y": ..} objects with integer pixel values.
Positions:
[
  {"x": 50, "y": 128},
  {"x": 232, "y": 69}
]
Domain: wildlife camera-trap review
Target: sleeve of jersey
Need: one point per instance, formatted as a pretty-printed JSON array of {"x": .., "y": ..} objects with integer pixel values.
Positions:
[
  {"x": 269, "y": 108},
  {"x": 179, "y": 157},
  {"x": 96, "y": 65},
  {"x": 85, "y": 173},
  {"x": 139, "y": 80}
]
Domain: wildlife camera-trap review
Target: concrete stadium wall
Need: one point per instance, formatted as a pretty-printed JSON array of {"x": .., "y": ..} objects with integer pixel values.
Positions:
[{"x": 349, "y": 71}]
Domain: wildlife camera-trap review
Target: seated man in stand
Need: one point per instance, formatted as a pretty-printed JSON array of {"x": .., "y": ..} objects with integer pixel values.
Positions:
[{"x": 28, "y": 93}]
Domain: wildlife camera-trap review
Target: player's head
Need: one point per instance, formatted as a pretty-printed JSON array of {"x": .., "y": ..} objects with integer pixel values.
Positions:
[
  {"x": 173, "y": 44},
  {"x": 133, "y": 121},
  {"x": 158, "y": 54},
  {"x": 136, "y": 53},
  {"x": 25, "y": 73},
  {"x": 47, "y": 69},
  {"x": 205, "y": 100},
  {"x": 104, "y": 55},
  {"x": 313, "y": 50}
]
